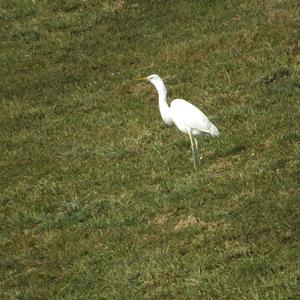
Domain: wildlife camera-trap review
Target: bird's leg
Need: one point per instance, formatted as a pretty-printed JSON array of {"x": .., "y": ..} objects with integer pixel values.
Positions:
[
  {"x": 192, "y": 146},
  {"x": 197, "y": 149},
  {"x": 196, "y": 143}
]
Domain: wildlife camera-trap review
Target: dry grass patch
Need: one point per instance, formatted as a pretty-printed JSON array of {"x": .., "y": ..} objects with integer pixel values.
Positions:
[
  {"x": 113, "y": 7},
  {"x": 160, "y": 219},
  {"x": 191, "y": 220}
]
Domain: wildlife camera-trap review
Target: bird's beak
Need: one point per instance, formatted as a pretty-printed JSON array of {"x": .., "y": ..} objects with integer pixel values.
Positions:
[{"x": 142, "y": 78}]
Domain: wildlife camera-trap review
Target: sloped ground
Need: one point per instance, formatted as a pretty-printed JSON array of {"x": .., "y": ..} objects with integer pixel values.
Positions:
[{"x": 99, "y": 199}]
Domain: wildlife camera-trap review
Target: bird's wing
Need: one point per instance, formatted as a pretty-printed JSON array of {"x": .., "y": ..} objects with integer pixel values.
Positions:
[{"x": 190, "y": 115}]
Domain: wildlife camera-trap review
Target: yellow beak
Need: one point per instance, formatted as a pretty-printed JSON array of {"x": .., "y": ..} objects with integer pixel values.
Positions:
[{"x": 142, "y": 78}]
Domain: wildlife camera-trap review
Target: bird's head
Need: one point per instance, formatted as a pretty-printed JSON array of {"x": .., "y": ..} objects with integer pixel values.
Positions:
[
  {"x": 152, "y": 78},
  {"x": 157, "y": 82}
]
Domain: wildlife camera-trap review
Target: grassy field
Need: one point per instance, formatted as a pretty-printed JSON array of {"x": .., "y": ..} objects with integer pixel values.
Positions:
[{"x": 99, "y": 199}]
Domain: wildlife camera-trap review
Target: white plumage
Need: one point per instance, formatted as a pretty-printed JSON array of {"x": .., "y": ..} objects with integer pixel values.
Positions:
[{"x": 187, "y": 117}]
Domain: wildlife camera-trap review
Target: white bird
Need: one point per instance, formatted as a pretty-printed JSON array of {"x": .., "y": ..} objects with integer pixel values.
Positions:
[{"x": 187, "y": 117}]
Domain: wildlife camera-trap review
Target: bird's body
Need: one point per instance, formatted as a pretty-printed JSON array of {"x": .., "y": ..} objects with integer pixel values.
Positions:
[
  {"x": 187, "y": 117},
  {"x": 196, "y": 122}
]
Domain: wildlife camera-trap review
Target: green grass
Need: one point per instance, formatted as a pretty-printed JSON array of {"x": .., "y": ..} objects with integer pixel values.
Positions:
[{"x": 99, "y": 200}]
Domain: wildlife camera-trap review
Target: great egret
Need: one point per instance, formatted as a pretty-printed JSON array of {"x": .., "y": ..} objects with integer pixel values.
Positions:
[{"x": 187, "y": 117}]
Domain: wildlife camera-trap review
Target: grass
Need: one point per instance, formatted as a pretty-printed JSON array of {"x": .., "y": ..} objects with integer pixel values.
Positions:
[{"x": 99, "y": 200}]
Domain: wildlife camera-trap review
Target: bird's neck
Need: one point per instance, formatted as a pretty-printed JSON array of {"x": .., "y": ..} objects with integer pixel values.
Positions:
[{"x": 163, "y": 105}]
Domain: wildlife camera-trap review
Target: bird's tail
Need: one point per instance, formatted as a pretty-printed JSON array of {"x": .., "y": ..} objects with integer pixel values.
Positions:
[{"x": 213, "y": 130}]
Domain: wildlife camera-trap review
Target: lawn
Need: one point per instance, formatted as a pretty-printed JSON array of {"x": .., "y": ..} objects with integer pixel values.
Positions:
[{"x": 99, "y": 199}]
